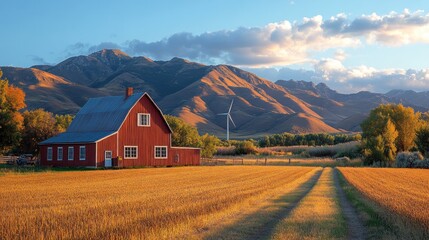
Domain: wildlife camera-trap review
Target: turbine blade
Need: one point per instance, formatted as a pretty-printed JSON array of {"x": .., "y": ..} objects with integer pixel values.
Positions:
[
  {"x": 230, "y": 118},
  {"x": 222, "y": 114},
  {"x": 230, "y": 107}
]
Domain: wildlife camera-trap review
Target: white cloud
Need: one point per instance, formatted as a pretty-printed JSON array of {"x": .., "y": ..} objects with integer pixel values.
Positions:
[
  {"x": 282, "y": 43},
  {"x": 340, "y": 55},
  {"x": 285, "y": 43},
  {"x": 391, "y": 29},
  {"x": 354, "y": 79}
]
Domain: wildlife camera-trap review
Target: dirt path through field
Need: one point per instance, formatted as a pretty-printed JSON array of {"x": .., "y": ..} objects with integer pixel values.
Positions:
[
  {"x": 261, "y": 224},
  {"x": 356, "y": 230},
  {"x": 291, "y": 213}
]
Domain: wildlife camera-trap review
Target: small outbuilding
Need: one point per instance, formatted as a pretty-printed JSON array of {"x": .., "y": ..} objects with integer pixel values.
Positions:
[{"x": 124, "y": 131}]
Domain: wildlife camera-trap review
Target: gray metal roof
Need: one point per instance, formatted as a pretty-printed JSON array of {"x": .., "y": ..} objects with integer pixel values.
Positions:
[
  {"x": 77, "y": 137},
  {"x": 103, "y": 114},
  {"x": 98, "y": 118}
]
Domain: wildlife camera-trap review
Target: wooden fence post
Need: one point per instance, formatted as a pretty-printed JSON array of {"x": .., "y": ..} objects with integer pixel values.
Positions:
[{"x": 265, "y": 161}]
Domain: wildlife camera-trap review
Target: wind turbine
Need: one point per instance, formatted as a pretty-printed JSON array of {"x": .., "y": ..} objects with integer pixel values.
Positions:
[{"x": 228, "y": 118}]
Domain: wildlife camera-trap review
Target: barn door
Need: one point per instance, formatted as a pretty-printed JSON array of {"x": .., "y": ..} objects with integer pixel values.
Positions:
[{"x": 108, "y": 158}]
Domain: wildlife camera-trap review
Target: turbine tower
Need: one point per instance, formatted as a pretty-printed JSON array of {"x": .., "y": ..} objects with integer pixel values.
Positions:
[{"x": 228, "y": 118}]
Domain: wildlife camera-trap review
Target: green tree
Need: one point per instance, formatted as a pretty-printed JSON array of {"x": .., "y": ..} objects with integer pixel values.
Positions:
[
  {"x": 184, "y": 135},
  {"x": 422, "y": 139},
  {"x": 62, "y": 122},
  {"x": 389, "y": 137},
  {"x": 38, "y": 126},
  {"x": 12, "y": 99},
  {"x": 209, "y": 145},
  {"x": 379, "y": 136},
  {"x": 406, "y": 123}
]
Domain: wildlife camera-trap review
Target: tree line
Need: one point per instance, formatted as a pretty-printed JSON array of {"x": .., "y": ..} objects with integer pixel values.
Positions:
[
  {"x": 21, "y": 132},
  {"x": 312, "y": 139}
]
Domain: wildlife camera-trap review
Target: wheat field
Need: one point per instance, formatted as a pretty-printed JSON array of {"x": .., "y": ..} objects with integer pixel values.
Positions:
[
  {"x": 152, "y": 203},
  {"x": 404, "y": 192}
]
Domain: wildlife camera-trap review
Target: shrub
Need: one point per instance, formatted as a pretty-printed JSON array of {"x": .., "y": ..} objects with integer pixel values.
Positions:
[
  {"x": 321, "y": 151},
  {"x": 225, "y": 150},
  {"x": 350, "y": 149},
  {"x": 245, "y": 147},
  {"x": 342, "y": 161},
  {"x": 408, "y": 159},
  {"x": 422, "y": 164}
]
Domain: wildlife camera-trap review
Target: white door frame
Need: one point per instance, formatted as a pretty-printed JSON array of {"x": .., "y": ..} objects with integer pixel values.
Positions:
[{"x": 107, "y": 160}]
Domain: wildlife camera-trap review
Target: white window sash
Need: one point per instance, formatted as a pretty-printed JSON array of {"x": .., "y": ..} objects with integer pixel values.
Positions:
[
  {"x": 130, "y": 152},
  {"x": 161, "y": 152},
  {"x": 70, "y": 157},
  {"x": 60, "y": 155},
  {"x": 140, "y": 120},
  {"x": 80, "y": 153},
  {"x": 49, "y": 154}
]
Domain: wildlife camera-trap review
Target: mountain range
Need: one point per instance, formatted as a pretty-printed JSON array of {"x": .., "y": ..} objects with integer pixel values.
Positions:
[{"x": 197, "y": 93}]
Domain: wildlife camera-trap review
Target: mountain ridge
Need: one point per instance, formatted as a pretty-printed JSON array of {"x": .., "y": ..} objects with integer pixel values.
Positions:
[{"x": 198, "y": 92}]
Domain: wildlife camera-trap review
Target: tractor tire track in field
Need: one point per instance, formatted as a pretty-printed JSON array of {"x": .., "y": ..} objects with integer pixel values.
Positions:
[
  {"x": 355, "y": 227},
  {"x": 264, "y": 227}
]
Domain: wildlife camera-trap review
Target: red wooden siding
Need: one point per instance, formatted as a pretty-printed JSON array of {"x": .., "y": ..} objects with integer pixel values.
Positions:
[
  {"x": 107, "y": 144},
  {"x": 185, "y": 156},
  {"x": 88, "y": 162},
  {"x": 146, "y": 138}
]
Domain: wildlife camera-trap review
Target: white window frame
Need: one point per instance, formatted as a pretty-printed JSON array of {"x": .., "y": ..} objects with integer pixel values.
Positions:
[
  {"x": 60, "y": 156},
  {"x": 70, "y": 158},
  {"x": 49, "y": 150},
  {"x": 130, "y": 157},
  {"x": 161, "y": 157},
  {"x": 139, "y": 122},
  {"x": 80, "y": 153}
]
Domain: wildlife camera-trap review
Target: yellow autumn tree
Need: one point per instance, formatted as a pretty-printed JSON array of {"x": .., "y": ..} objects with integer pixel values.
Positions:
[{"x": 12, "y": 99}]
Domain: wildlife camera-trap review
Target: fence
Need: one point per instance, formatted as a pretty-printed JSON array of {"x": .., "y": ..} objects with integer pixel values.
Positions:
[
  {"x": 7, "y": 159},
  {"x": 244, "y": 161}
]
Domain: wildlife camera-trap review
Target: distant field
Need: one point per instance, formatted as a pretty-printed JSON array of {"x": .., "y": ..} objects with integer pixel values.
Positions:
[
  {"x": 404, "y": 192},
  {"x": 152, "y": 203}
]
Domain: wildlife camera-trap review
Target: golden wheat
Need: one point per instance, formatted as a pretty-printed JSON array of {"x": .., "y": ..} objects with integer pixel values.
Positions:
[
  {"x": 403, "y": 191},
  {"x": 317, "y": 216},
  {"x": 136, "y": 203}
]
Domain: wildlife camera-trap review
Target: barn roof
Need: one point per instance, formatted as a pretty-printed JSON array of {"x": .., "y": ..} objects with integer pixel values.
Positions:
[
  {"x": 77, "y": 137},
  {"x": 99, "y": 118},
  {"x": 103, "y": 114}
]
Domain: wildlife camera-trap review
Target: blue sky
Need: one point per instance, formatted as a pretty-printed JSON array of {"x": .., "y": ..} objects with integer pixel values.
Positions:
[{"x": 350, "y": 45}]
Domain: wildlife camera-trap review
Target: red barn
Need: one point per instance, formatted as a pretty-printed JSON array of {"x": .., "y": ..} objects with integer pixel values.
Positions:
[{"x": 131, "y": 128}]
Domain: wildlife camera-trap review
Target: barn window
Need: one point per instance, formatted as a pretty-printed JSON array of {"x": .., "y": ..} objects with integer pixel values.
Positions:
[
  {"x": 82, "y": 153},
  {"x": 70, "y": 153},
  {"x": 49, "y": 154},
  {"x": 60, "y": 153},
  {"x": 160, "y": 152},
  {"x": 143, "y": 120},
  {"x": 130, "y": 152}
]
